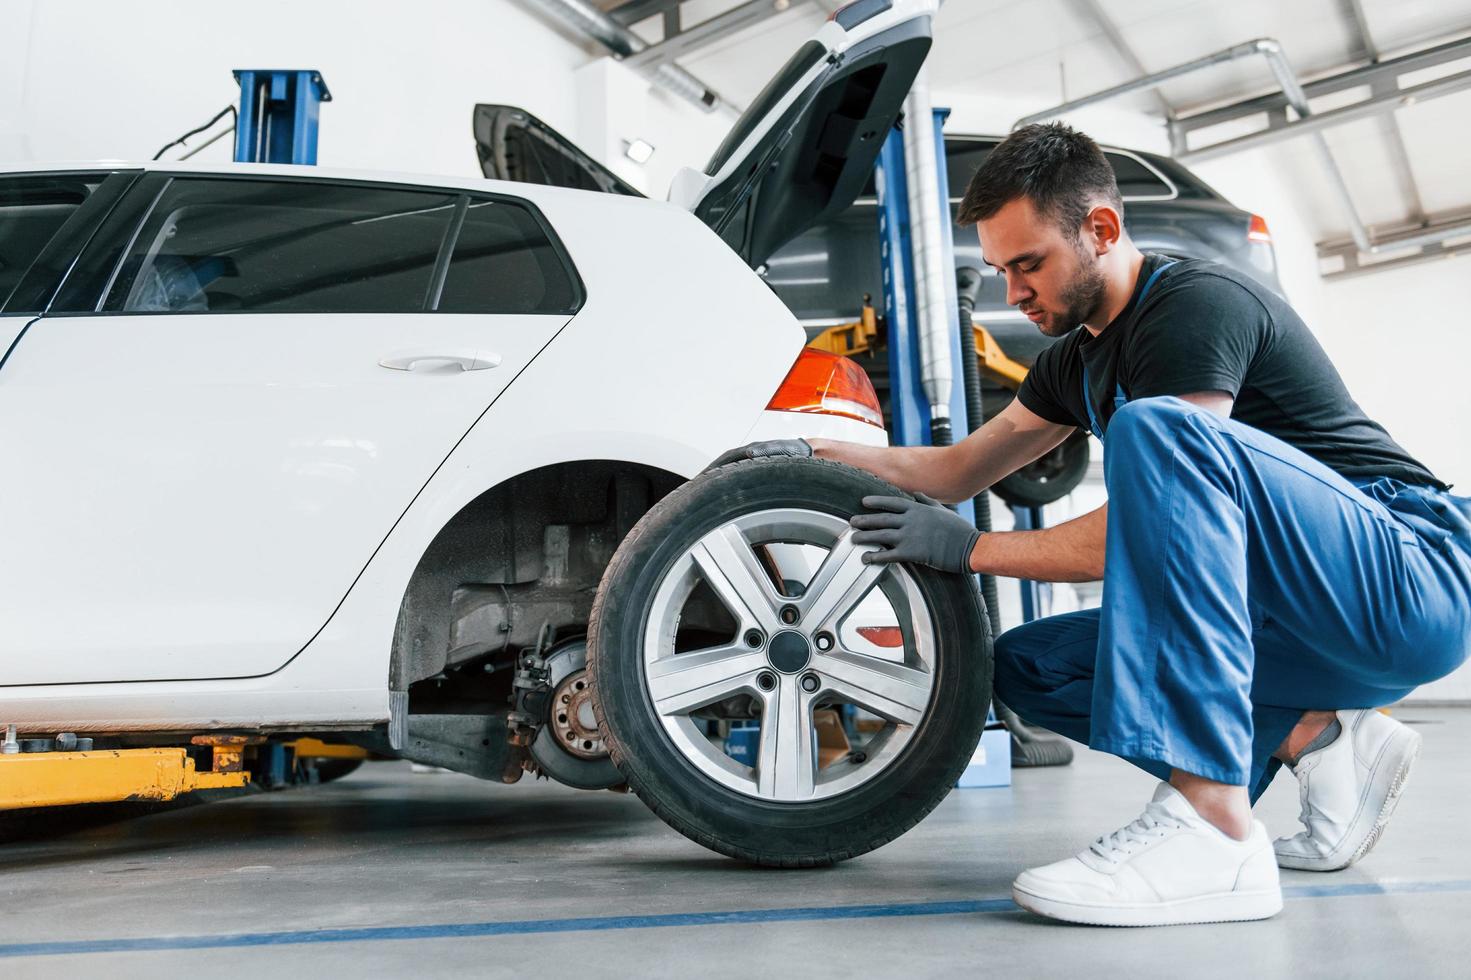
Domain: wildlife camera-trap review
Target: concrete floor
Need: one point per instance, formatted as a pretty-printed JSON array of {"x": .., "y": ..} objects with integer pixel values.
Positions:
[{"x": 435, "y": 875}]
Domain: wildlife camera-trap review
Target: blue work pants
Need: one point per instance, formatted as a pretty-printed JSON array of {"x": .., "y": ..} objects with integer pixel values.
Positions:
[{"x": 1244, "y": 584}]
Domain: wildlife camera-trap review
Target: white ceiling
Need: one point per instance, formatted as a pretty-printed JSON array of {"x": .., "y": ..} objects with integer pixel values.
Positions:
[{"x": 1038, "y": 53}]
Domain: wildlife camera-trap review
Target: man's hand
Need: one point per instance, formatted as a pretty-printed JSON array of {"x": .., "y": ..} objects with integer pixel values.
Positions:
[
  {"x": 922, "y": 530},
  {"x": 757, "y": 450}
]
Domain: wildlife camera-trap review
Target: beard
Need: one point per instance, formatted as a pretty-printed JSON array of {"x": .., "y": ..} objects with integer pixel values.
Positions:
[{"x": 1081, "y": 298}]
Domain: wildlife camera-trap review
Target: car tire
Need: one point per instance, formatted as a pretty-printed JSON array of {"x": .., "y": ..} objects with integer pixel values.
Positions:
[
  {"x": 952, "y": 630},
  {"x": 1049, "y": 479}
]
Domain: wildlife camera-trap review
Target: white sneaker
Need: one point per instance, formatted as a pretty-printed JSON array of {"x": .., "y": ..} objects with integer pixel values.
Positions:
[
  {"x": 1349, "y": 789},
  {"x": 1169, "y": 867}
]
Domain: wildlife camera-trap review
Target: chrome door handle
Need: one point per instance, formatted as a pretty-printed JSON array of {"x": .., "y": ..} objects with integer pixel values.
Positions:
[{"x": 467, "y": 360}]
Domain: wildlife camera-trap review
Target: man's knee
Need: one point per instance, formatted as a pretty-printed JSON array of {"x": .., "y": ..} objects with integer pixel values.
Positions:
[
  {"x": 1149, "y": 418},
  {"x": 1149, "y": 429},
  {"x": 1015, "y": 655}
]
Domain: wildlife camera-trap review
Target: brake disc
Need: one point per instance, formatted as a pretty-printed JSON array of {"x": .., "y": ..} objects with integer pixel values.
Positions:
[{"x": 568, "y": 747}]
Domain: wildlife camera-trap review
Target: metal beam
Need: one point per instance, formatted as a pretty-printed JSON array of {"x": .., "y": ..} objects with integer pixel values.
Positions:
[
  {"x": 630, "y": 12},
  {"x": 1319, "y": 121},
  {"x": 1307, "y": 124},
  {"x": 1271, "y": 51},
  {"x": 1362, "y": 77},
  {"x": 1408, "y": 244},
  {"x": 592, "y": 23},
  {"x": 1151, "y": 80},
  {"x": 707, "y": 32},
  {"x": 1093, "y": 10},
  {"x": 1389, "y": 129}
]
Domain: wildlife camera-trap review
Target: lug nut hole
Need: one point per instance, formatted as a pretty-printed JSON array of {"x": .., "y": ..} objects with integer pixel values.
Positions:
[
  {"x": 789, "y": 615},
  {"x": 766, "y": 680},
  {"x": 825, "y": 641},
  {"x": 753, "y": 638},
  {"x": 811, "y": 683}
]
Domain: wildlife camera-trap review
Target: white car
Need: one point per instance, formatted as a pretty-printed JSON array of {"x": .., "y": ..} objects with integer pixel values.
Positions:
[{"x": 301, "y": 450}]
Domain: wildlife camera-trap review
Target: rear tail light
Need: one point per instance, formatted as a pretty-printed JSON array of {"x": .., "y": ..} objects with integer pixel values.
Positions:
[
  {"x": 826, "y": 384},
  {"x": 1257, "y": 230},
  {"x": 882, "y": 636}
]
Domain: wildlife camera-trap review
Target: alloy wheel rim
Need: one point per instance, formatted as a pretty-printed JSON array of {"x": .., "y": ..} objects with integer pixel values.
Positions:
[{"x": 893, "y": 688}]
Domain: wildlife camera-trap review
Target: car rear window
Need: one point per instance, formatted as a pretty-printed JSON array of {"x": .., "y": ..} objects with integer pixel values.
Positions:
[
  {"x": 232, "y": 245},
  {"x": 32, "y": 210},
  {"x": 1137, "y": 179},
  {"x": 504, "y": 262}
]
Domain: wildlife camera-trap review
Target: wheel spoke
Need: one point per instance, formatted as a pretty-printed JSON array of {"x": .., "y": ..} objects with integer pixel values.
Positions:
[
  {"x": 725, "y": 558},
  {"x": 786, "y": 767},
  {"x": 687, "y": 681},
  {"x": 894, "y": 691},
  {"x": 839, "y": 584}
]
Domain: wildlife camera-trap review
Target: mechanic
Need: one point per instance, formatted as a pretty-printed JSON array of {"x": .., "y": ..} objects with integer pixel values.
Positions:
[{"x": 1275, "y": 566}]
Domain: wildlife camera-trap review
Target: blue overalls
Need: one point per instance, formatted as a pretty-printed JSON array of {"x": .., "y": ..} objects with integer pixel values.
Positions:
[{"x": 1244, "y": 583}]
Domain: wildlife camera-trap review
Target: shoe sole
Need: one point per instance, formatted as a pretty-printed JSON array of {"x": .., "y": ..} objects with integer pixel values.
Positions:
[
  {"x": 1334, "y": 860},
  {"x": 1220, "y": 907}
]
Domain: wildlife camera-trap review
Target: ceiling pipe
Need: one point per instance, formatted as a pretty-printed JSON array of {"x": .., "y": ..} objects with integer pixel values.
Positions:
[
  {"x": 1271, "y": 50},
  {"x": 592, "y": 23}
]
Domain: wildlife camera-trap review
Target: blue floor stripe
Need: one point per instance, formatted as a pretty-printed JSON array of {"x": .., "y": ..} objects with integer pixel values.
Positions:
[{"x": 470, "y": 930}]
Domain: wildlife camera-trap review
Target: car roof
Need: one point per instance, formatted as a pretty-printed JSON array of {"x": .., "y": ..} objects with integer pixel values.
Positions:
[{"x": 448, "y": 181}]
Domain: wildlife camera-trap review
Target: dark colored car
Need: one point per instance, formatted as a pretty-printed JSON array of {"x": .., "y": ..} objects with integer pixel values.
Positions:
[{"x": 823, "y": 274}]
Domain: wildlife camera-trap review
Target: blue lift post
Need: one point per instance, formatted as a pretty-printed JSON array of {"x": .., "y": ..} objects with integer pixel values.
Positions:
[
  {"x": 908, "y": 408},
  {"x": 279, "y": 112}
]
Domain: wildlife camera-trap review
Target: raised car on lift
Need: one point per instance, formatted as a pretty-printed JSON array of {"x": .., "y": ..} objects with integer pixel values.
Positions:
[{"x": 402, "y": 461}]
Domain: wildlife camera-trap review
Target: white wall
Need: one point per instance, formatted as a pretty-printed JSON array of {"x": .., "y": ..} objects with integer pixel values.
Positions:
[
  {"x": 88, "y": 80},
  {"x": 1402, "y": 339}
]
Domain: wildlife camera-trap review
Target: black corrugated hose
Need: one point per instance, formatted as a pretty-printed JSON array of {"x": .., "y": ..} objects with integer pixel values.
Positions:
[{"x": 1029, "y": 747}]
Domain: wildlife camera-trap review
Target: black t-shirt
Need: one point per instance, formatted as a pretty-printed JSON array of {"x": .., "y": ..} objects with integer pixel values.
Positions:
[{"x": 1206, "y": 327}]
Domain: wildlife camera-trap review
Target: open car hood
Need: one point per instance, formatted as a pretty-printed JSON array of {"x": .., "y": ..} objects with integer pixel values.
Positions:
[
  {"x": 515, "y": 145},
  {"x": 804, "y": 149},
  {"x": 801, "y": 153}
]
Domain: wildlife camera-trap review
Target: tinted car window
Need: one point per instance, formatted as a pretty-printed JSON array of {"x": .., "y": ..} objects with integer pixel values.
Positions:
[
  {"x": 32, "y": 210},
  {"x": 227, "y": 245},
  {"x": 791, "y": 73},
  {"x": 504, "y": 262},
  {"x": 1136, "y": 179},
  {"x": 964, "y": 158}
]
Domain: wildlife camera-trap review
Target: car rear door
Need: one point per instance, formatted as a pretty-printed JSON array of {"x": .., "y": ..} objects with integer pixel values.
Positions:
[{"x": 238, "y": 391}]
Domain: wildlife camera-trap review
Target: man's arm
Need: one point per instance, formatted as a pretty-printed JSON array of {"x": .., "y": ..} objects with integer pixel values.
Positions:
[
  {"x": 1072, "y": 551},
  {"x": 950, "y": 474}
]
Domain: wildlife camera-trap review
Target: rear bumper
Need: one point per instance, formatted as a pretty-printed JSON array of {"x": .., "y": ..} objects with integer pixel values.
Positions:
[{"x": 799, "y": 425}]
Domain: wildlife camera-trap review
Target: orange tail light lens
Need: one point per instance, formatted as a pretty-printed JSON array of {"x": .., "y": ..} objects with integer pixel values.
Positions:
[
  {"x": 828, "y": 384},
  {"x": 882, "y": 636},
  {"x": 1257, "y": 230}
]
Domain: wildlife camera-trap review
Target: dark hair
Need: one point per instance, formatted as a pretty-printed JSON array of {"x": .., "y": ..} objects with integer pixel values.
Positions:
[{"x": 1060, "y": 170}]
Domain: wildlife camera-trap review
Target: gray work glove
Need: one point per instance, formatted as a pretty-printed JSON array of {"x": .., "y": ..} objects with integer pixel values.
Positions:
[
  {"x": 923, "y": 531},
  {"x": 757, "y": 450}
]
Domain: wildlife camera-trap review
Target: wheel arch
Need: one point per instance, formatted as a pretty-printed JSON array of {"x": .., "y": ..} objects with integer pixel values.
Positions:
[{"x": 522, "y": 554}]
